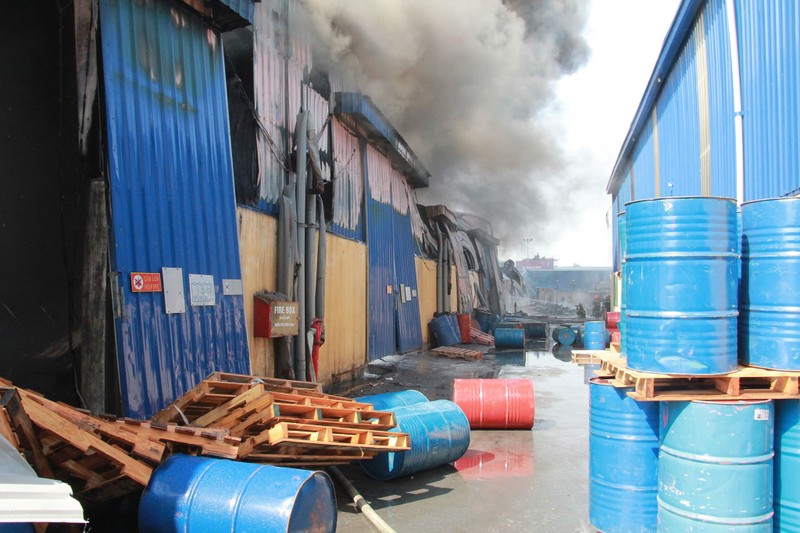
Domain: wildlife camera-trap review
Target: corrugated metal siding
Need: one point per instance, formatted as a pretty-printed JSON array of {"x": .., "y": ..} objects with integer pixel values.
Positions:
[
  {"x": 394, "y": 325},
  {"x": 678, "y": 127},
  {"x": 270, "y": 95},
  {"x": 348, "y": 184},
  {"x": 769, "y": 52},
  {"x": 624, "y": 193},
  {"x": 408, "y": 320},
  {"x": 720, "y": 86},
  {"x": 644, "y": 169},
  {"x": 172, "y": 197},
  {"x": 244, "y": 8}
]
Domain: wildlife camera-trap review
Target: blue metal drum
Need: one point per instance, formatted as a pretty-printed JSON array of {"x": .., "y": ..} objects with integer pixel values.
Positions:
[
  {"x": 215, "y": 495},
  {"x": 444, "y": 331},
  {"x": 564, "y": 335},
  {"x": 391, "y": 400},
  {"x": 439, "y": 433},
  {"x": 787, "y": 465},
  {"x": 769, "y": 319},
  {"x": 681, "y": 280},
  {"x": 594, "y": 337},
  {"x": 509, "y": 338},
  {"x": 623, "y": 250},
  {"x": 623, "y": 460},
  {"x": 715, "y": 466}
]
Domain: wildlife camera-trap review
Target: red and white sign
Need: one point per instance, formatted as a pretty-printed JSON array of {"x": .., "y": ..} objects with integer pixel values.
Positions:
[{"x": 145, "y": 282}]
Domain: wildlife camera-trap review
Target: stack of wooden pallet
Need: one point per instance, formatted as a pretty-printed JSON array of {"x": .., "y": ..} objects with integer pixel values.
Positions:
[{"x": 229, "y": 416}]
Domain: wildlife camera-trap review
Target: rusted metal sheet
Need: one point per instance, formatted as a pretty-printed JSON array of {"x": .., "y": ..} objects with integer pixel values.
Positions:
[
  {"x": 172, "y": 199},
  {"x": 348, "y": 184}
]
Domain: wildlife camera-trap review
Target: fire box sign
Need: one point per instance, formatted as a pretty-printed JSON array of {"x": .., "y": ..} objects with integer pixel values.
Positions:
[
  {"x": 145, "y": 282},
  {"x": 274, "y": 318}
]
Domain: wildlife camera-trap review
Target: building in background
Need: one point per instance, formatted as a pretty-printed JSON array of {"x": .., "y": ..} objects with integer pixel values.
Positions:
[{"x": 718, "y": 116}]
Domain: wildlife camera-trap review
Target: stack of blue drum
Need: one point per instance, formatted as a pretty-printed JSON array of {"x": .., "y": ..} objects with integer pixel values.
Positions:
[{"x": 690, "y": 307}]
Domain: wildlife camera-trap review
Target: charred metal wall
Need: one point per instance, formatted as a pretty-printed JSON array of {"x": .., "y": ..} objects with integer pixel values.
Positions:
[
  {"x": 172, "y": 199},
  {"x": 42, "y": 200}
]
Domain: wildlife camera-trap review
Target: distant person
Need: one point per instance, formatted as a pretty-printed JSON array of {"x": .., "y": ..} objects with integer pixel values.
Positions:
[{"x": 580, "y": 311}]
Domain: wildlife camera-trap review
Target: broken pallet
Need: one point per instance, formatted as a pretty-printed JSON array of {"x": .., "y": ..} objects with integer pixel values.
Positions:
[
  {"x": 479, "y": 337},
  {"x": 746, "y": 383}
]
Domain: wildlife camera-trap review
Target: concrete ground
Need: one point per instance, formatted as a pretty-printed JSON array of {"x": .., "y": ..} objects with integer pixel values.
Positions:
[{"x": 533, "y": 480}]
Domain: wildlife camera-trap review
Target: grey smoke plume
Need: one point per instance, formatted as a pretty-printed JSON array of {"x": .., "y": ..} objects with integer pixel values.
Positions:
[{"x": 468, "y": 84}]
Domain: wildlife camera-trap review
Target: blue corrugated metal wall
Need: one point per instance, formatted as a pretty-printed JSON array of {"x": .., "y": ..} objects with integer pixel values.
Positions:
[
  {"x": 394, "y": 321},
  {"x": 382, "y": 306},
  {"x": 644, "y": 170},
  {"x": 720, "y": 88},
  {"x": 769, "y": 54},
  {"x": 408, "y": 320},
  {"x": 678, "y": 127},
  {"x": 172, "y": 197}
]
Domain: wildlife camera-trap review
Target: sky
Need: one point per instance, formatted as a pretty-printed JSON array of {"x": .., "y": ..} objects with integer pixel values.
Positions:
[
  {"x": 518, "y": 108},
  {"x": 596, "y": 105}
]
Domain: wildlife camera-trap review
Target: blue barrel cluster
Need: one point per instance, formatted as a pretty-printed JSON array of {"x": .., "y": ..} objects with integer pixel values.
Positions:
[
  {"x": 445, "y": 331},
  {"x": 689, "y": 306},
  {"x": 692, "y": 465}
]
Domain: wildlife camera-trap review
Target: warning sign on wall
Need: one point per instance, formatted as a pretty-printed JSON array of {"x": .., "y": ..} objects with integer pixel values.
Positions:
[{"x": 145, "y": 282}]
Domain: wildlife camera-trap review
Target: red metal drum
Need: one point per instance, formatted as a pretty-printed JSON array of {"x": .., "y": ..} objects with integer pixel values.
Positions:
[
  {"x": 615, "y": 335},
  {"x": 496, "y": 403},
  {"x": 612, "y": 320},
  {"x": 464, "y": 327}
]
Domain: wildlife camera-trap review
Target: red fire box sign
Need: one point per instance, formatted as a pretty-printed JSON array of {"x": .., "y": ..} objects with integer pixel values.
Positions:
[{"x": 145, "y": 282}]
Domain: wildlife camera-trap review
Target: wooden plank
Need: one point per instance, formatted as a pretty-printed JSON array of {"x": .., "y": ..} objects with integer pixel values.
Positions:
[
  {"x": 94, "y": 302},
  {"x": 208, "y": 445},
  {"x": 142, "y": 447},
  {"x": 224, "y": 409},
  {"x": 85, "y": 441},
  {"x": 277, "y": 382},
  {"x": 6, "y": 430},
  {"x": 26, "y": 432}
]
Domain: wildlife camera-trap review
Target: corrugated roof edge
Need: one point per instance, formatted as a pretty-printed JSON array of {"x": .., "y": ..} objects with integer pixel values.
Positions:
[
  {"x": 681, "y": 25},
  {"x": 381, "y": 134}
]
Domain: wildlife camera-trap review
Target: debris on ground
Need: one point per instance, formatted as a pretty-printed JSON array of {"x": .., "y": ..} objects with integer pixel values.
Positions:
[{"x": 230, "y": 416}]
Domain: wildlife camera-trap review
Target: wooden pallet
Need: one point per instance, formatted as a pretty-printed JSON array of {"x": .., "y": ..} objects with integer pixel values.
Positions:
[
  {"x": 319, "y": 437},
  {"x": 588, "y": 357},
  {"x": 458, "y": 353},
  {"x": 96, "y": 460},
  {"x": 746, "y": 383}
]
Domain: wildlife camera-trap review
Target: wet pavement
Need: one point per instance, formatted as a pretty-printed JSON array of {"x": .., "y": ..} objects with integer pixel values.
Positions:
[{"x": 533, "y": 480}]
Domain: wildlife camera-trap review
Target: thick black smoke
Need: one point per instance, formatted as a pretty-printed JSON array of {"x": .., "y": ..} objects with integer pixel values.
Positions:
[{"x": 468, "y": 83}]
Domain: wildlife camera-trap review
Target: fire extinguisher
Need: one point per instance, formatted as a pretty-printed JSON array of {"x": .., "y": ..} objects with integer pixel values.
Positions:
[{"x": 319, "y": 339}]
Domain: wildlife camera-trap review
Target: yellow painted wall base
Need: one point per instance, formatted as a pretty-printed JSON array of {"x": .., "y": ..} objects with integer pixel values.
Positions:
[
  {"x": 426, "y": 289},
  {"x": 345, "y": 345},
  {"x": 258, "y": 245}
]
